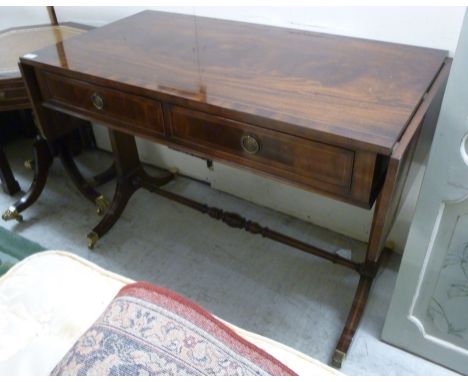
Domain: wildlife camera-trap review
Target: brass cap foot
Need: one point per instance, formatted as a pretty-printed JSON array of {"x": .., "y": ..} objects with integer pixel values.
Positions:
[
  {"x": 29, "y": 164},
  {"x": 102, "y": 204},
  {"x": 11, "y": 213},
  {"x": 173, "y": 170},
  {"x": 338, "y": 358},
  {"x": 92, "y": 239}
]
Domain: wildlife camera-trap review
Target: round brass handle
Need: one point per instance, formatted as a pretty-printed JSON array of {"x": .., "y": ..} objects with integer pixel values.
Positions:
[
  {"x": 250, "y": 144},
  {"x": 98, "y": 101}
]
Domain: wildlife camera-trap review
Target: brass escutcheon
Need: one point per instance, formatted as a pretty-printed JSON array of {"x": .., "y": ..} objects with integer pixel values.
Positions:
[
  {"x": 98, "y": 101},
  {"x": 250, "y": 144}
]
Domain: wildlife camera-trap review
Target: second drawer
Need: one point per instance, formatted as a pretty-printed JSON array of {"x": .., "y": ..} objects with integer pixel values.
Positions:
[{"x": 288, "y": 157}]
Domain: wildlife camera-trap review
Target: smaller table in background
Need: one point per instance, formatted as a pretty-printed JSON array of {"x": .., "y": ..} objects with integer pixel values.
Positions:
[{"x": 14, "y": 43}]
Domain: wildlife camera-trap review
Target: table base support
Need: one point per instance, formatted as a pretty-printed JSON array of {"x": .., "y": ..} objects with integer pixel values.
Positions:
[
  {"x": 352, "y": 322},
  {"x": 126, "y": 186},
  {"x": 131, "y": 177},
  {"x": 7, "y": 180},
  {"x": 43, "y": 156}
]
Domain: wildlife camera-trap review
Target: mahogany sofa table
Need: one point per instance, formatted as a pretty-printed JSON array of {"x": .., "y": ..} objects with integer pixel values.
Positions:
[{"x": 335, "y": 115}]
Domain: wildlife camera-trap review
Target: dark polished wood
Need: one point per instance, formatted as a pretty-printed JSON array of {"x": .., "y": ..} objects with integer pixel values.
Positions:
[
  {"x": 284, "y": 156},
  {"x": 335, "y": 115},
  {"x": 8, "y": 182},
  {"x": 13, "y": 95},
  {"x": 130, "y": 177},
  {"x": 52, "y": 15},
  {"x": 281, "y": 79},
  {"x": 42, "y": 161}
]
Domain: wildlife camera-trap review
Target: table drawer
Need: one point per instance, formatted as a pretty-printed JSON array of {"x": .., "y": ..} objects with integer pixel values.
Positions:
[
  {"x": 13, "y": 95},
  {"x": 102, "y": 104},
  {"x": 285, "y": 156}
]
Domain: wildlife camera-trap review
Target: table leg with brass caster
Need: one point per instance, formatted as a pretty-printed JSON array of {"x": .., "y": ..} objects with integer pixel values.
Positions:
[
  {"x": 42, "y": 162},
  {"x": 126, "y": 187},
  {"x": 43, "y": 153},
  {"x": 123, "y": 192},
  {"x": 130, "y": 177},
  {"x": 352, "y": 322},
  {"x": 79, "y": 181}
]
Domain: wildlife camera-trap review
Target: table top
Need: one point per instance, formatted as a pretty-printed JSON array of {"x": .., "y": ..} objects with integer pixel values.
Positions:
[
  {"x": 16, "y": 42},
  {"x": 308, "y": 84}
]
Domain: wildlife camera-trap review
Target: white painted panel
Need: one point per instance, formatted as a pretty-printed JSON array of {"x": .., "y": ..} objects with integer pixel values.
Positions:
[
  {"x": 428, "y": 314},
  {"x": 20, "y": 16}
]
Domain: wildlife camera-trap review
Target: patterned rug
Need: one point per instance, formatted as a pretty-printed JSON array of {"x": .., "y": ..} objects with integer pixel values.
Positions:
[
  {"x": 14, "y": 248},
  {"x": 149, "y": 330}
]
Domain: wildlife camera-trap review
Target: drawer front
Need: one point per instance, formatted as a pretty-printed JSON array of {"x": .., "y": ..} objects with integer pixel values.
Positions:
[
  {"x": 103, "y": 104},
  {"x": 285, "y": 156},
  {"x": 13, "y": 95}
]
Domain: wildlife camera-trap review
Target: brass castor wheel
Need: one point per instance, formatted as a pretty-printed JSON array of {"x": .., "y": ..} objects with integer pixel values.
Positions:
[
  {"x": 12, "y": 214},
  {"x": 92, "y": 239},
  {"x": 338, "y": 358},
  {"x": 102, "y": 204},
  {"x": 29, "y": 164},
  {"x": 173, "y": 170}
]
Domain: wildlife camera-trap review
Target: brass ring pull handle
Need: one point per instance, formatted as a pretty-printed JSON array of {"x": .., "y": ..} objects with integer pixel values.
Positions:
[
  {"x": 98, "y": 101},
  {"x": 250, "y": 144}
]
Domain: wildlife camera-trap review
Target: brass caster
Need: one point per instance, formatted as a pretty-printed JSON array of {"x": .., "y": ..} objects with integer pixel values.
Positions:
[
  {"x": 29, "y": 164},
  {"x": 338, "y": 358},
  {"x": 173, "y": 170},
  {"x": 102, "y": 204},
  {"x": 11, "y": 213},
  {"x": 92, "y": 239}
]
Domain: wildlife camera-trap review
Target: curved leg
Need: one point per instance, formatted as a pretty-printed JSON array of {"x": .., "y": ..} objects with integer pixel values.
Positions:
[
  {"x": 123, "y": 192},
  {"x": 42, "y": 162},
  {"x": 352, "y": 322},
  {"x": 8, "y": 182},
  {"x": 131, "y": 177},
  {"x": 152, "y": 183},
  {"x": 79, "y": 181},
  {"x": 104, "y": 177},
  {"x": 126, "y": 186}
]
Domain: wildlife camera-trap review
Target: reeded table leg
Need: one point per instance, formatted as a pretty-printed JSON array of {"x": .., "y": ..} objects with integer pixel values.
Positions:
[
  {"x": 8, "y": 181},
  {"x": 42, "y": 162}
]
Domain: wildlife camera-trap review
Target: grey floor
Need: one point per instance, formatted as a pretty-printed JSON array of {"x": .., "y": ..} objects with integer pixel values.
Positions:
[{"x": 254, "y": 283}]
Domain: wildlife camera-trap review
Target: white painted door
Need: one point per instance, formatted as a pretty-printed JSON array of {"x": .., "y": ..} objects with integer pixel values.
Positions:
[{"x": 428, "y": 314}]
